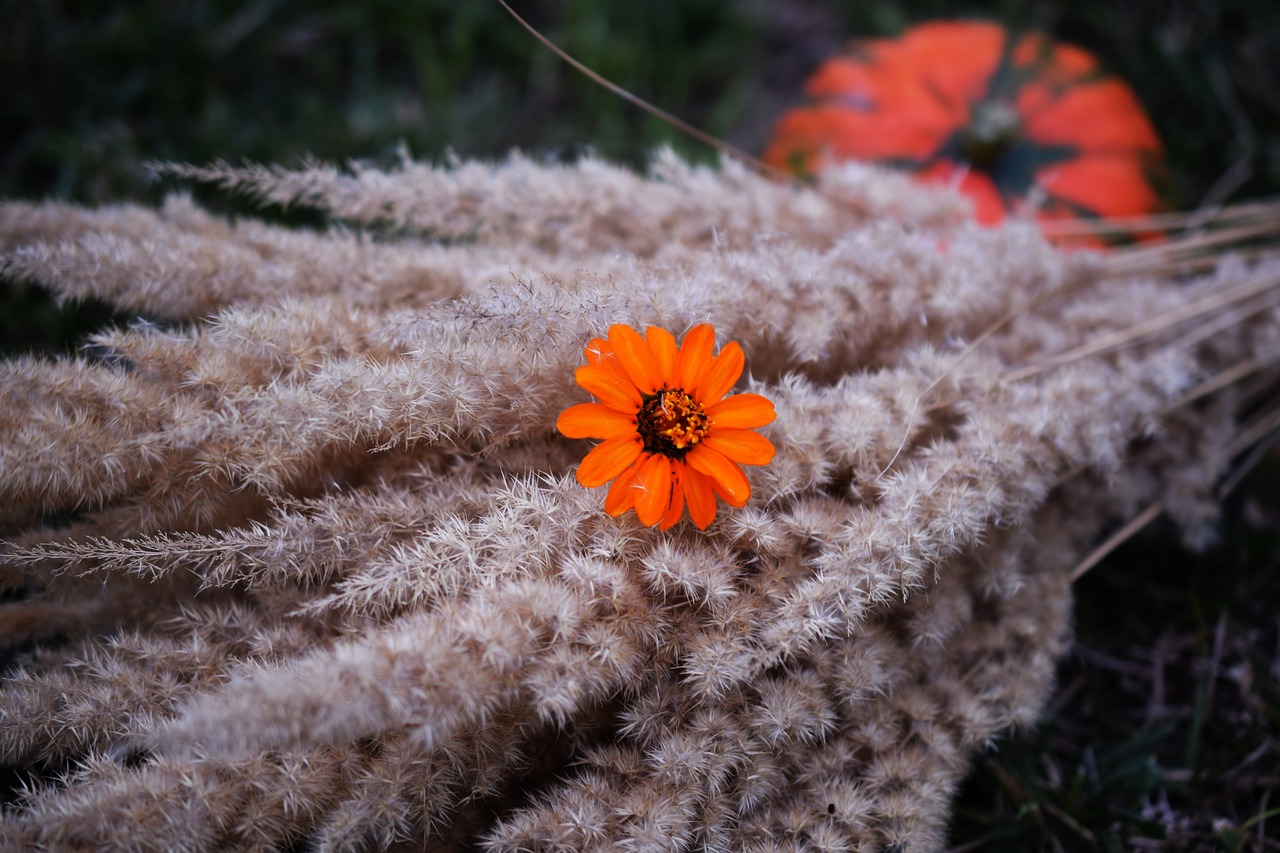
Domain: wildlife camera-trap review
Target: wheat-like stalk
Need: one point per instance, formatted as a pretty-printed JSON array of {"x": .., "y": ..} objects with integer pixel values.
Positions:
[{"x": 299, "y": 557}]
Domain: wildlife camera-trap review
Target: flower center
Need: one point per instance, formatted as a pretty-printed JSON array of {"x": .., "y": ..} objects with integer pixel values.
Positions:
[
  {"x": 671, "y": 422},
  {"x": 992, "y": 129}
]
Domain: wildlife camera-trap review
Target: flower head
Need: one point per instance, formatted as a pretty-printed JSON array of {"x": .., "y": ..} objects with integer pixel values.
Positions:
[{"x": 671, "y": 437}]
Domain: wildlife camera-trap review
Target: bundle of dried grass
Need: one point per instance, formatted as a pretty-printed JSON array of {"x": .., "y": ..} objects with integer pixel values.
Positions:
[{"x": 301, "y": 560}]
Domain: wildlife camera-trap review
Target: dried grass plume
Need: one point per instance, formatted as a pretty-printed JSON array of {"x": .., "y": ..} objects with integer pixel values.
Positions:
[{"x": 300, "y": 561}]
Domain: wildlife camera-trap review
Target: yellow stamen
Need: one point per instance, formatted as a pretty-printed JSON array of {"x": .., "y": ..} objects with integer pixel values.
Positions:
[{"x": 671, "y": 422}]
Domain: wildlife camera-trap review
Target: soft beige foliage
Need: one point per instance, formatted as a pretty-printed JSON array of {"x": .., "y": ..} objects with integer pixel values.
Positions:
[{"x": 300, "y": 558}]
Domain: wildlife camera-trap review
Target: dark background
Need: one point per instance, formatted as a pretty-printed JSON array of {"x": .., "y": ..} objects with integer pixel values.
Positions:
[{"x": 92, "y": 89}]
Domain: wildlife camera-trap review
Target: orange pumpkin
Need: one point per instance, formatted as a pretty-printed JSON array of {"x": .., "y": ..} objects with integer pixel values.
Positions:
[{"x": 1018, "y": 123}]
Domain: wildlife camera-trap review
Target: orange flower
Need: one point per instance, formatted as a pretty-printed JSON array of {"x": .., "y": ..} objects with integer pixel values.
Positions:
[{"x": 670, "y": 436}]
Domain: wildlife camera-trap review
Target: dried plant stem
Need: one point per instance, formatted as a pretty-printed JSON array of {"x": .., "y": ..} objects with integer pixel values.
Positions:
[
  {"x": 1246, "y": 465},
  {"x": 1255, "y": 286},
  {"x": 1216, "y": 383},
  {"x": 1115, "y": 540},
  {"x": 1262, "y": 424},
  {"x": 676, "y": 122},
  {"x": 1162, "y": 221},
  {"x": 1140, "y": 260},
  {"x": 1175, "y": 267}
]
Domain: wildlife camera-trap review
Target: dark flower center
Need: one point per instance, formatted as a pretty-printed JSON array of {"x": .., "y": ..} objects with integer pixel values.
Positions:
[
  {"x": 992, "y": 129},
  {"x": 671, "y": 422}
]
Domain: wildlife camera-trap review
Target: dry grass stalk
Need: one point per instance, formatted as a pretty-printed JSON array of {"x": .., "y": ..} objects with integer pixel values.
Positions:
[{"x": 307, "y": 563}]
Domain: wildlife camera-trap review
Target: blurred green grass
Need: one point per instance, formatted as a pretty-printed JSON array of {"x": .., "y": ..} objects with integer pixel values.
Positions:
[{"x": 95, "y": 90}]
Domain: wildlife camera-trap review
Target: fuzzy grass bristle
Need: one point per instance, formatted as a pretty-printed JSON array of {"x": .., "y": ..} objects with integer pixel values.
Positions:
[{"x": 310, "y": 565}]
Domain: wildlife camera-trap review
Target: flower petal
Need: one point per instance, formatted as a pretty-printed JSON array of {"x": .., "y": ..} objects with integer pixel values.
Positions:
[
  {"x": 663, "y": 345},
  {"x": 608, "y": 459},
  {"x": 622, "y": 494},
  {"x": 741, "y": 411},
  {"x": 734, "y": 487},
  {"x": 675, "y": 507},
  {"x": 700, "y": 497},
  {"x": 653, "y": 489},
  {"x": 597, "y": 350},
  {"x": 592, "y": 420},
  {"x": 636, "y": 358},
  {"x": 743, "y": 446},
  {"x": 695, "y": 356},
  {"x": 725, "y": 370},
  {"x": 599, "y": 353},
  {"x": 718, "y": 491},
  {"x": 610, "y": 386}
]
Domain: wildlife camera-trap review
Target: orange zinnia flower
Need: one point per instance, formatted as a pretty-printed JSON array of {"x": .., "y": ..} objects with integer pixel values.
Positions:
[{"x": 671, "y": 437}]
